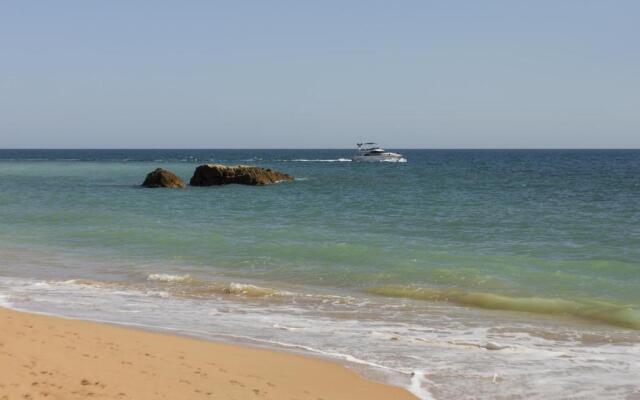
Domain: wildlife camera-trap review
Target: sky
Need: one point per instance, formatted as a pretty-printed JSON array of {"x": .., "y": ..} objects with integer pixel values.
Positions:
[{"x": 319, "y": 74}]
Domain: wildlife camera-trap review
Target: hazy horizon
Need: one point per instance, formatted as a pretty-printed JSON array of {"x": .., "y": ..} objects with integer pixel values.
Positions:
[
  {"x": 185, "y": 75},
  {"x": 319, "y": 148}
]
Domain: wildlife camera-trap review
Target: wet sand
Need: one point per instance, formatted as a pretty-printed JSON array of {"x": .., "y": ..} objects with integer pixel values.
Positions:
[{"x": 44, "y": 357}]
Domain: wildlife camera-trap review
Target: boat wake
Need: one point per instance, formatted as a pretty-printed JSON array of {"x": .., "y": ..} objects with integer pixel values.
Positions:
[
  {"x": 399, "y": 160},
  {"x": 322, "y": 160}
]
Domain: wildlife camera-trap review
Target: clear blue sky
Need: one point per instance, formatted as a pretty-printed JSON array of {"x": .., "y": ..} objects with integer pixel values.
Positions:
[{"x": 220, "y": 74}]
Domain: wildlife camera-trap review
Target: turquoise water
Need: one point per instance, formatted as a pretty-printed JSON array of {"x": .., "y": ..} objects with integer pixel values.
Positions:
[{"x": 549, "y": 239}]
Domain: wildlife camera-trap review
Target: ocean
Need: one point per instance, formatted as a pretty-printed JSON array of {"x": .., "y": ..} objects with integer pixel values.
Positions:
[{"x": 458, "y": 274}]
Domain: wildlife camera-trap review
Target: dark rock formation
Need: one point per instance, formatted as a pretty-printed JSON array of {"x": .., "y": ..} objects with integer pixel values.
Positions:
[
  {"x": 217, "y": 174},
  {"x": 163, "y": 178}
]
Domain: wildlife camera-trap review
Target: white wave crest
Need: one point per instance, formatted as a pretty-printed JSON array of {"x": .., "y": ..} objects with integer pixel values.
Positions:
[
  {"x": 255, "y": 291},
  {"x": 169, "y": 278}
]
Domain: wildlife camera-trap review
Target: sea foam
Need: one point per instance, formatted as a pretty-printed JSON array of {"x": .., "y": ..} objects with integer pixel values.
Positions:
[{"x": 169, "y": 278}]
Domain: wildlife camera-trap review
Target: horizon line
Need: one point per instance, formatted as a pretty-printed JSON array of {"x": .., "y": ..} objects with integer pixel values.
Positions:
[{"x": 315, "y": 148}]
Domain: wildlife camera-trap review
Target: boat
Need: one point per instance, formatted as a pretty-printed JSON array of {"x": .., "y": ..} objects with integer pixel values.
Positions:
[{"x": 372, "y": 152}]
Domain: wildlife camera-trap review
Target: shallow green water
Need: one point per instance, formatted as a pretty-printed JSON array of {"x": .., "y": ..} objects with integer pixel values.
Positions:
[
  {"x": 525, "y": 223},
  {"x": 420, "y": 267}
]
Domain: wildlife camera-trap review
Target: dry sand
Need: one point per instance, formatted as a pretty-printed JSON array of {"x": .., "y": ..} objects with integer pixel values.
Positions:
[{"x": 44, "y": 357}]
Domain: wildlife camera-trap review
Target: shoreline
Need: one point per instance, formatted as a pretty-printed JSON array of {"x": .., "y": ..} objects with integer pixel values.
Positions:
[{"x": 44, "y": 356}]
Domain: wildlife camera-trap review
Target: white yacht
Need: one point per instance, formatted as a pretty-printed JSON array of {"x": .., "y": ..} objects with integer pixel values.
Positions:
[{"x": 371, "y": 152}]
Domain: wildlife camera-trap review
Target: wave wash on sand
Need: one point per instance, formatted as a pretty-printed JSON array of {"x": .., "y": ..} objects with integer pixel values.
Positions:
[{"x": 42, "y": 356}]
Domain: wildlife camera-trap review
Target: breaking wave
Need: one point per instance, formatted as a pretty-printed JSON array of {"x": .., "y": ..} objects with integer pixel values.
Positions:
[
  {"x": 190, "y": 286},
  {"x": 169, "y": 278},
  {"x": 618, "y": 315},
  {"x": 244, "y": 289}
]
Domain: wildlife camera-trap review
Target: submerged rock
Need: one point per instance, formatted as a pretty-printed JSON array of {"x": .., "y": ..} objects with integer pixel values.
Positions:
[
  {"x": 218, "y": 174},
  {"x": 163, "y": 178}
]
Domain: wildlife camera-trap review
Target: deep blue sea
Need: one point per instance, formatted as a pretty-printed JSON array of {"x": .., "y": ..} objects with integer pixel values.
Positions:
[{"x": 460, "y": 273}]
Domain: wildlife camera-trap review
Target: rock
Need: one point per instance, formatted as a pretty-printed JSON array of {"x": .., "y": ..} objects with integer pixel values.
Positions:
[
  {"x": 163, "y": 178},
  {"x": 218, "y": 174}
]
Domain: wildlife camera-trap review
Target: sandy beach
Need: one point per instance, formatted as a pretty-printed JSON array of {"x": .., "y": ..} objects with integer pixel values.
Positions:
[{"x": 54, "y": 358}]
